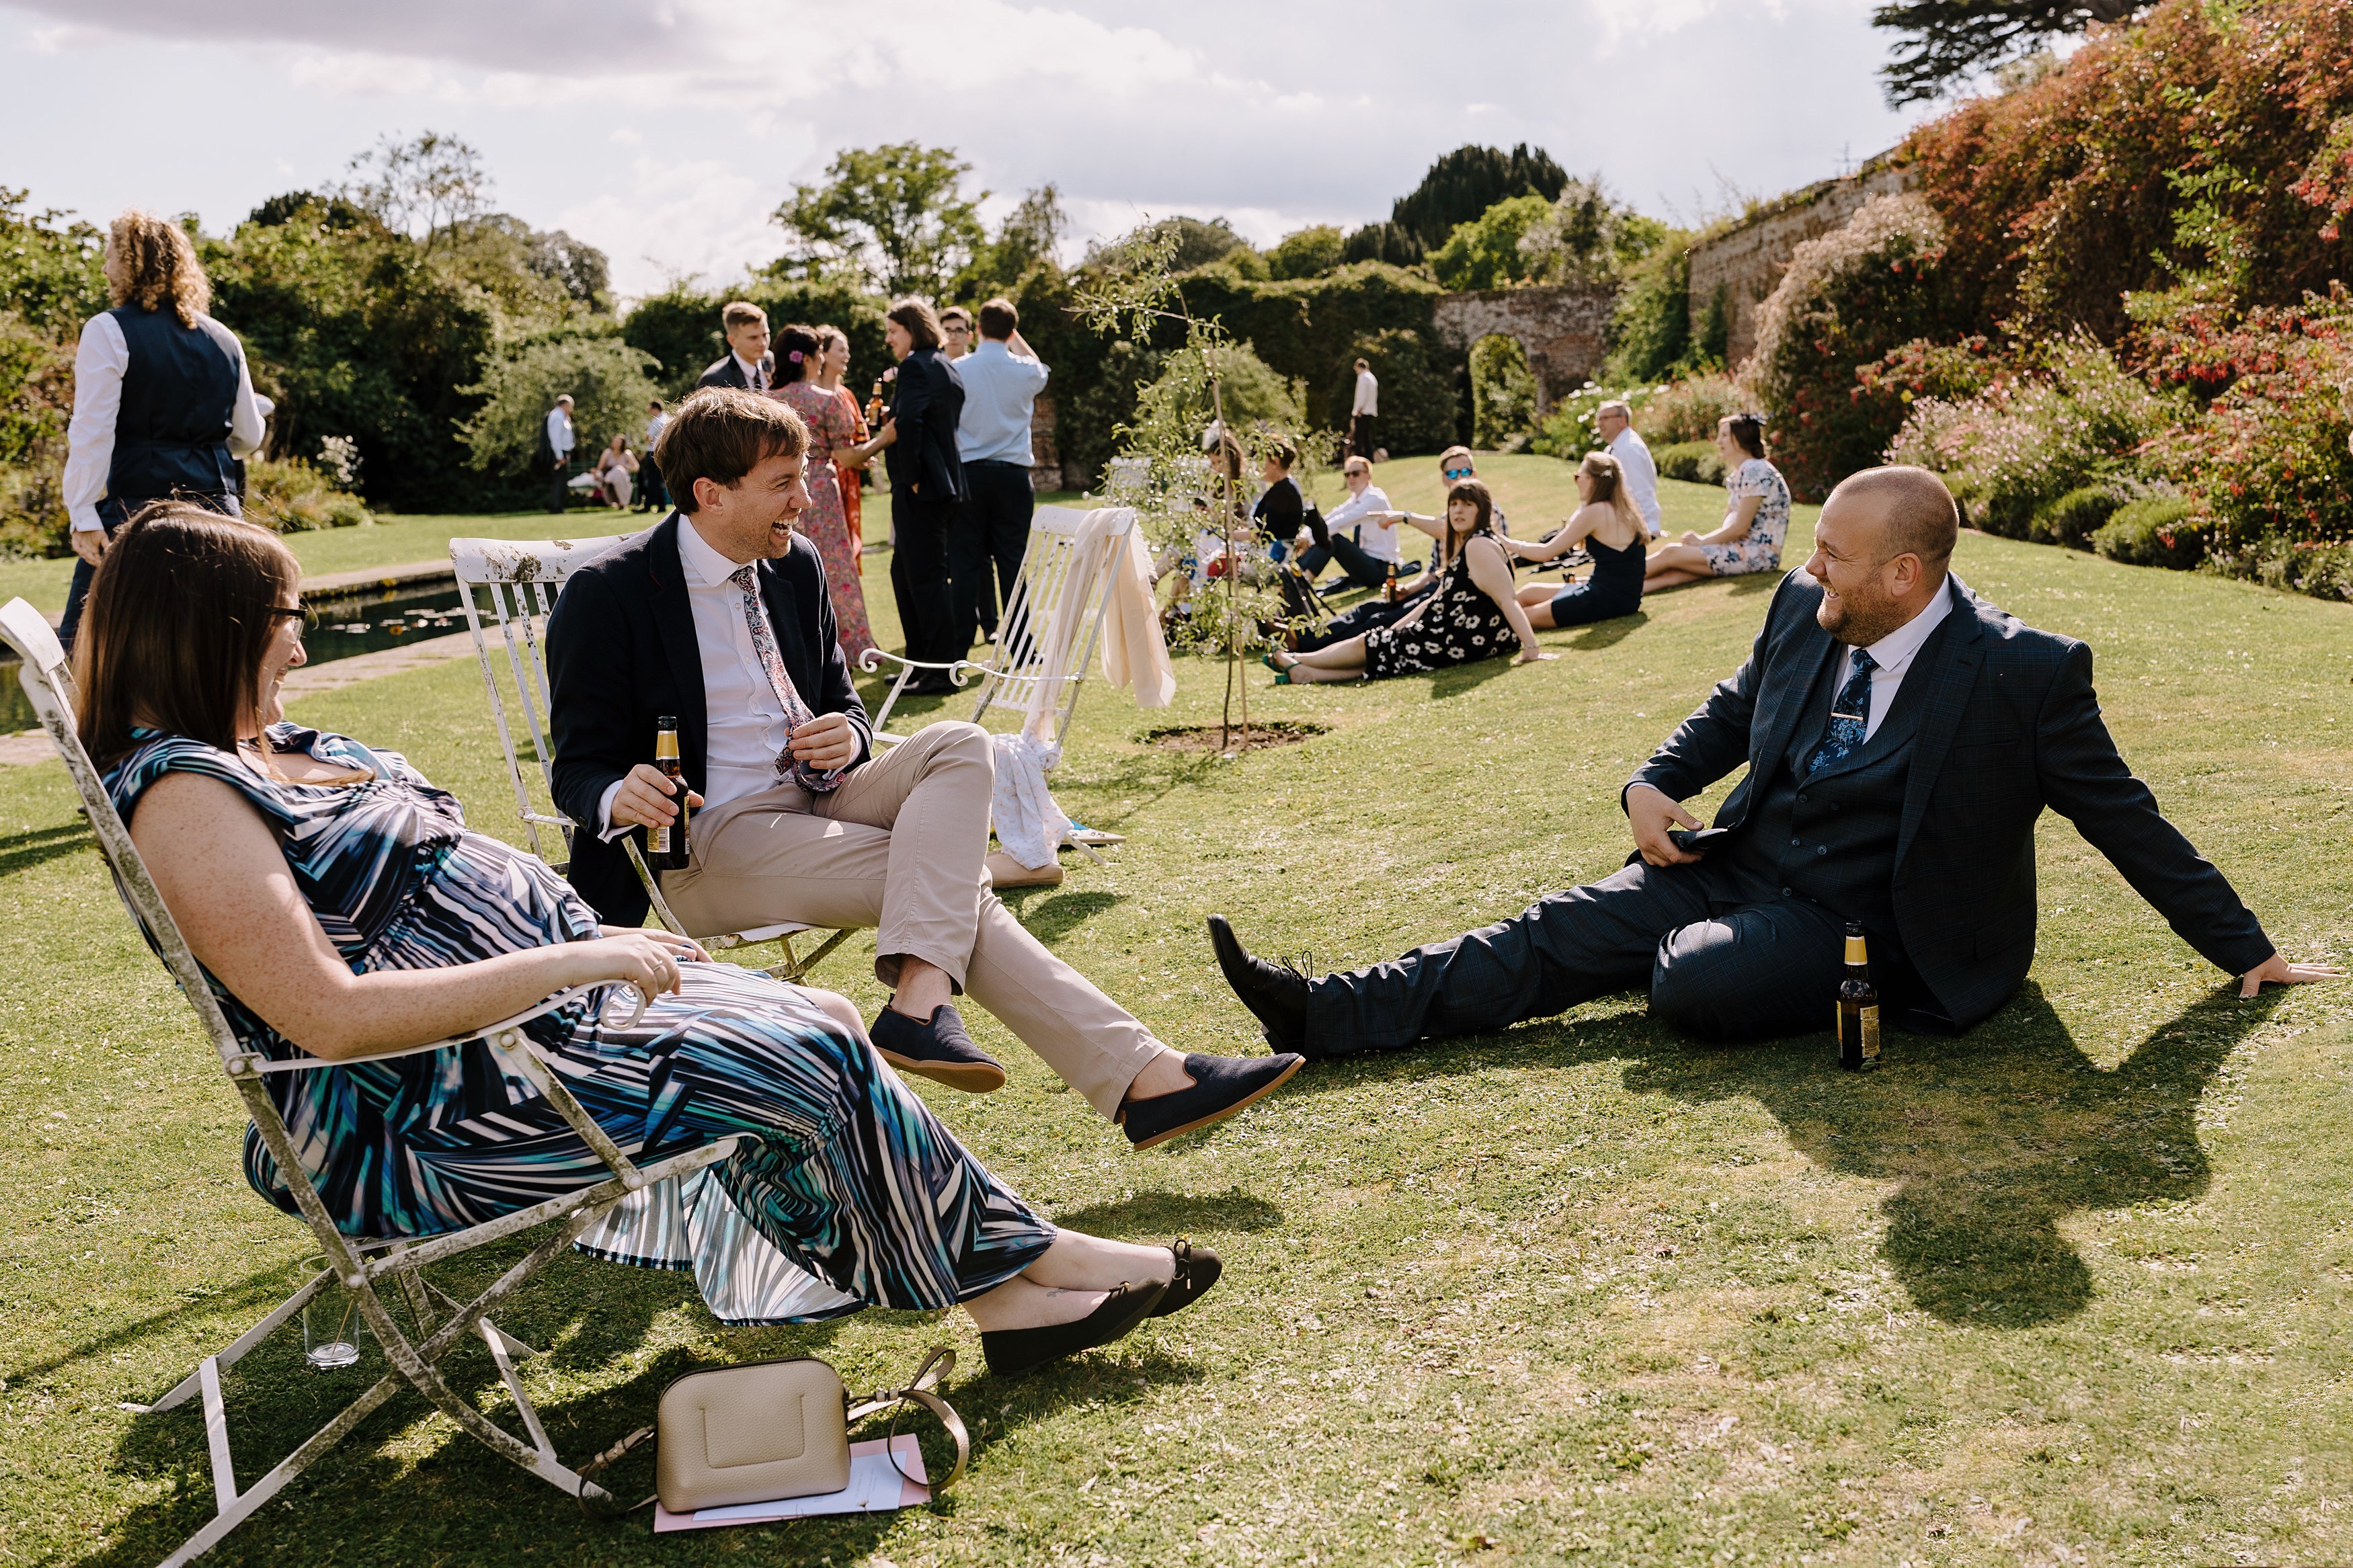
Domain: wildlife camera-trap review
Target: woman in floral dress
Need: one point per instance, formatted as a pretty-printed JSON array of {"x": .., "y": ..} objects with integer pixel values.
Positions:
[
  {"x": 833, "y": 364},
  {"x": 833, "y": 434},
  {"x": 1755, "y": 518},
  {"x": 1471, "y": 614}
]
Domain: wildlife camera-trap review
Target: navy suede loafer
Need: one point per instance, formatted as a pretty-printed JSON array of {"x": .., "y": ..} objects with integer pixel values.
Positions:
[
  {"x": 938, "y": 1049},
  {"x": 1221, "y": 1086}
]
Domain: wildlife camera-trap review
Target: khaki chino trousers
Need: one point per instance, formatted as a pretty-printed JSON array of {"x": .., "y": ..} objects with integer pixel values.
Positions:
[{"x": 901, "y": 847}]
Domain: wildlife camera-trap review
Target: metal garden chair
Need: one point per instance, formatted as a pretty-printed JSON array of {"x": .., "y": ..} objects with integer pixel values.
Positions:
[
  {"x": 365, "y": 1268},
  {"x": 510, "y": 584},
  {"x": 1045, "y": 639}
]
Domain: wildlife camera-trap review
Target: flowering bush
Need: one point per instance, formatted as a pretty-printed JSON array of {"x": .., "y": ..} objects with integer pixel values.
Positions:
[
  {"x": 2075, "y": 418},
  {"x": 290, "y": 494},
  {"x": 1688, "y": 410},
  {"x": 2157, "y": 530},
  {"x": 2269, "y": 455},
  {"x": 1849, "y": 298},
  {"x": 1570, "y": 431},
  {"x": 1502, "y": 394}
]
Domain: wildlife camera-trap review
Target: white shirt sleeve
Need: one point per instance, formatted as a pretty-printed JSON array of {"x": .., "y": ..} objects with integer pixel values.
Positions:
[
  {"x": 247, "y": 424},
  {"x": 605, "y": 829},
  {"x": 559, "y": 432},
  {"x": 99, "y": 363},
  {"x": 1367, "y": 395}
]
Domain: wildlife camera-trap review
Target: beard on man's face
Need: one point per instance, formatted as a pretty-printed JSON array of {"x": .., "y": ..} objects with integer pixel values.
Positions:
[{"x": 1858, "y": 618}]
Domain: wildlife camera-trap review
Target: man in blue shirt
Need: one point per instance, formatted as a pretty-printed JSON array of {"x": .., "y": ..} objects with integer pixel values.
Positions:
[{"x": 1002, "y": 379}]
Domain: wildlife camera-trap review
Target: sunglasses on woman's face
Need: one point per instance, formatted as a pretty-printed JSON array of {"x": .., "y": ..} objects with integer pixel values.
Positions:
[{"x": 1457, "y": 473}]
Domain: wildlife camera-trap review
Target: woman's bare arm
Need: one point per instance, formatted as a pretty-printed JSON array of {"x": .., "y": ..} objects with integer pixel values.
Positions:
[
  {"x": 1491, "y": 573},
  {"x": 1737, "y": 519},
  {"x": 227, "y": 883},
  {"x": 1573, "y": 533}
]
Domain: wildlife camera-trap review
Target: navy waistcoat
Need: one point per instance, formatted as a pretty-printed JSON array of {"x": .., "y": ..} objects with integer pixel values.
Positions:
[{"x": 179, "y": 393}]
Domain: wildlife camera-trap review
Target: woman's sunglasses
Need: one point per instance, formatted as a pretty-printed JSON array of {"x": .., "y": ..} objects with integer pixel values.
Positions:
[{"x": 1456, "y": 473}]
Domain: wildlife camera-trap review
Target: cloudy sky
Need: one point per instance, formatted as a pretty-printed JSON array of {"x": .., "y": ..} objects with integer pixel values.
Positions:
[{"x": 666, "y": 131}]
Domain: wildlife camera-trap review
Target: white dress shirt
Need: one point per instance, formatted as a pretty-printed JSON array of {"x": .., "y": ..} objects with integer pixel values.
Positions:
[
  {"x": 1642, "y": 476},
  {"x": 654, "y": 427},
  {"x": 753, "y": 376},
  {"x": 1379, "y": 539},
  {"x": 101, "y": 361},
  {"x": 1893, "y": 654},
  {"x": 559, "y": 433},
  {"x": 1001, "y": 389},
  {"x": 744, "y": 724},
  {"x": 1368, "y": 395}
]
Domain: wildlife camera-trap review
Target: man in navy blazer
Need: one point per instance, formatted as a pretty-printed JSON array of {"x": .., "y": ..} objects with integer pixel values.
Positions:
[
  {"x": 1901, "y": 735},
  {"x": 718, "y": 619}
]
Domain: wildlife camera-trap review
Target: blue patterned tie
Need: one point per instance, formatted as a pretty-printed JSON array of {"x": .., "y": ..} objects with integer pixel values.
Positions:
[
  {"x": 797, "y": 712},
  {"x": 1849, "y": 717}
]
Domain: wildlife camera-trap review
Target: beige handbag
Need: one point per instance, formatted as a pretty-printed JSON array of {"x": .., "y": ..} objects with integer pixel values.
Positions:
[{"x": 769, "y": 1430}]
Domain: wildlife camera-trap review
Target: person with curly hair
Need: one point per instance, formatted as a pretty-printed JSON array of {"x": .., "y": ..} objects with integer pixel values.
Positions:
[{"x": 163, "y": 405}]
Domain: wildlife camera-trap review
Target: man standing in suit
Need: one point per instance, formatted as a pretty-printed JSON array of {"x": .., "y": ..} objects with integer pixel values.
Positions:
[
  {"x": 718, "y": 620},
  {"x": 926, "y": 488},
  {"x": 1901, "y": 735},
  {"x": 746, "y": 364}
]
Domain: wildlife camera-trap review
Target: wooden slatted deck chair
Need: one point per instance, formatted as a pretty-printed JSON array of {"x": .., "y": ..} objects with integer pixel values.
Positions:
[
  {"x": 509, "y": 587},
  {"x": 377, "y": 1271},
  {"x": 1045, "y": 638}
]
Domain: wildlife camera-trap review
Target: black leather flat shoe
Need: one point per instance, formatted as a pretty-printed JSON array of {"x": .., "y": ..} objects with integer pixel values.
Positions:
[
  {"x": 1196, "y": 1269},
  {"x": 1221, "y": 1086},
  {"x": 939, "y": 1051},
  {"x": 1019, "y": 1350},
  {"x": 1275, "y": 994}
]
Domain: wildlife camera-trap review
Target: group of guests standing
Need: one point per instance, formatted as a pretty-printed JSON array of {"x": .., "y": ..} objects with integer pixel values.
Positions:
[{"x": 954, "y": 437}]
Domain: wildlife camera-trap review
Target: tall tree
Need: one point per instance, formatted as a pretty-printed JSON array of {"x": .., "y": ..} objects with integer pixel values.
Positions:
[
  {"x": 1945, "y": 42},
  {"x": 1466, "y": 182},
  {"x": 894, "y": 216},
  {"x": 425, "y": 188}
]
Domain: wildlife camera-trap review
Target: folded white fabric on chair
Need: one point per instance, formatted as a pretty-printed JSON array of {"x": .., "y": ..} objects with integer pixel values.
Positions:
[{"x": 1029, "y": 824}]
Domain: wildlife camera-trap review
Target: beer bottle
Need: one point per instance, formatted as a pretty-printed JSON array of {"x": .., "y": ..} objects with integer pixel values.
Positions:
[
  {"x": 1858, "y": 1007},
  {"x": 1389, "y": 589},
  {"x": 666, "y": 844},
  {"x": 874, "y": 406}
]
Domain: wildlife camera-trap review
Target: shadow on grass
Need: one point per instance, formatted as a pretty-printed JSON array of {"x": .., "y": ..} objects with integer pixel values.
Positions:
[
  {"x": 396, "y": 1491},
  {"x": 1056, "y": 916},
  {"x": 1465, "y": 677},
  {"x": 1155, "y": 1215},
  {"x": 1991, "y": 1139},
  {"x": 1609, "y": 633},
  {"x": 35, "y": 846}
]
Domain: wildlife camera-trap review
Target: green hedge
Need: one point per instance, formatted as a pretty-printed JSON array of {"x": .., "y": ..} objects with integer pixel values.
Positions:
[
  {"x": 681, "y": 328},
  {"x": 2158, "y": 531},
  {"x": 1696, "y": 462}
]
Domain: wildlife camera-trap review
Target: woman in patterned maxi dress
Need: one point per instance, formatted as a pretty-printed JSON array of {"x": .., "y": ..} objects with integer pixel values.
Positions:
[
  {"x": 824, "y": 522},
  {"x": 833, "y": 364},
  {"x": 341, "y": 909}
]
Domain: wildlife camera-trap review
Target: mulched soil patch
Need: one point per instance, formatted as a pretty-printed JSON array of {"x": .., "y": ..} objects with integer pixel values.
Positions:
[{"x": 1218, "y": 739}]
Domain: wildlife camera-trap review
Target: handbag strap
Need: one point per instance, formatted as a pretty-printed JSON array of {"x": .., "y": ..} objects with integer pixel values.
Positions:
[
  {"x": 929, "y": 1375},
  {"x": 934, "y": 1372},
  {"x": 603, "y": 1506}
]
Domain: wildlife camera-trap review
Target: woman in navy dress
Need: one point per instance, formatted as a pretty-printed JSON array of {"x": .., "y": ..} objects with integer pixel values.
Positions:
[{"x": 341, "y": 909}]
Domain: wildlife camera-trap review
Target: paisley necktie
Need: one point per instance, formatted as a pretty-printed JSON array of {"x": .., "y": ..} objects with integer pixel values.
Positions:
[
  {"x": 797, "y": 712},
  {"x": 1849, "y": 718}
]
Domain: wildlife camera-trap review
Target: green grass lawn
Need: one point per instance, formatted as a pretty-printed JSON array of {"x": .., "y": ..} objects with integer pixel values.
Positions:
[{"x": 2071, "y": 1289}]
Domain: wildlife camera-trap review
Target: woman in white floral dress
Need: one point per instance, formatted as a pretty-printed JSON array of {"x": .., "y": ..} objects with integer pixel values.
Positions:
[{"x": 1755, "y": 518}]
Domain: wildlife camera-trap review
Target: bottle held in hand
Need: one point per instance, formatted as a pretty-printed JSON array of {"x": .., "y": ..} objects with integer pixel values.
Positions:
[
  {"x": 666, "y": 844},
  {"x": 874, "y": 406},
  {"x": 1858, "y": 1007},
  {"x": 1389, "y": 589}
]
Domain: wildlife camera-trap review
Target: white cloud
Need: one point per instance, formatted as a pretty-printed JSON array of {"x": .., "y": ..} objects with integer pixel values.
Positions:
[{"x": 367, "y": 74}]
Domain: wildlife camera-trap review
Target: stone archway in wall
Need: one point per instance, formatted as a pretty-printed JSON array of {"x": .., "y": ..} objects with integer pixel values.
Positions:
[{"x": 1560, "y": 327}]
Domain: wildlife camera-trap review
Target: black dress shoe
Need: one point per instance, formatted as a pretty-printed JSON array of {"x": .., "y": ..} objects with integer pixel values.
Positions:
[
  {"x": 1275, "y": 994},
  {"x": 939, "y": 1051},
  {"x": 1221, "y": 1086},
  {"x": 1019, "y": 1350},
  {"x": 1196, "y": 1269}
]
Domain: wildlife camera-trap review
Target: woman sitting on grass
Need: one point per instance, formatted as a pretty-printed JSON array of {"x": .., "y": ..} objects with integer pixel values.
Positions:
[
  {"x": 341, "y": 909},
  {"x": 1470, "y": 613},
  {"x": 1756, "y": 521},
  {"x": 1611, "y": 529}
]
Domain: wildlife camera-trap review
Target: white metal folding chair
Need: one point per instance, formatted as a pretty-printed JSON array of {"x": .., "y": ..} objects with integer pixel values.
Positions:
[
  {"x": 364, "y": 1267},
  {"x": 1048, "y": 634},
  {"x": 513, "y": 584}
]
